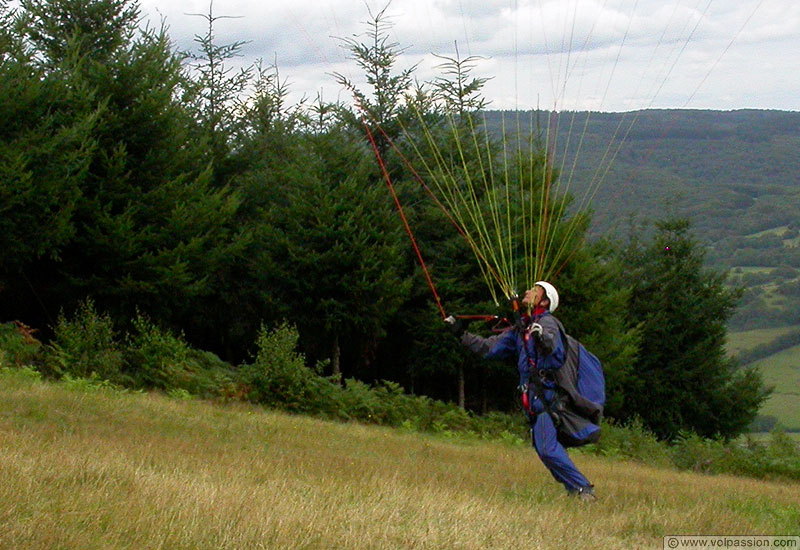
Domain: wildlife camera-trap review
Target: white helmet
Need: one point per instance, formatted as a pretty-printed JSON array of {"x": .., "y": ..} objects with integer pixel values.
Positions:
[{"x": 550, "y": 292}]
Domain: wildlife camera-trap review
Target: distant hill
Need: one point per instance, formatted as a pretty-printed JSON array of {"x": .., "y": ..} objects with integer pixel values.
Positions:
[{"x": 735, "y": 174}]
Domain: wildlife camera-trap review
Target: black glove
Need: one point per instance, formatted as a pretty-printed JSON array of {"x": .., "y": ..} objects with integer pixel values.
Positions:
[{"x": 456, "y": 326}]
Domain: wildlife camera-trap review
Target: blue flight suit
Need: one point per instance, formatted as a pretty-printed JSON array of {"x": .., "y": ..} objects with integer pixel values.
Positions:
[{"x": 532, "y": 358}]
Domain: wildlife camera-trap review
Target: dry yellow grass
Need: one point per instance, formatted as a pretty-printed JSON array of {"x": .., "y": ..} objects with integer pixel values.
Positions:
[{"x": 107, "y": 470}]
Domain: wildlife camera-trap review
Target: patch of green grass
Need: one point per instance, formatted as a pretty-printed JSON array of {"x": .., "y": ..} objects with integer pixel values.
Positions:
[
  {"x": 748, "y": 339},
  {"x": 762, "y": 510},
  {"x": 772, "y": 231},
  {"x": 753, "y": 269},
  {"x": 782, "y": 370}
]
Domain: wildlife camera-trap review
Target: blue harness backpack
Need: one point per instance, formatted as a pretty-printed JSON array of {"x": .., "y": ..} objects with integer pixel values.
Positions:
[{"x": 581, "y": 394}]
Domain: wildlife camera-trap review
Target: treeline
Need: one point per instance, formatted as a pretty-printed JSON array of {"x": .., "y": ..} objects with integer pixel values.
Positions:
[{"x": 182, "y": 197}]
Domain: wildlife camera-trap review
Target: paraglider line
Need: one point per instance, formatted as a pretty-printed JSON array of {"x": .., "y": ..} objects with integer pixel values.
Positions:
[{"x": 400, "y": 210}]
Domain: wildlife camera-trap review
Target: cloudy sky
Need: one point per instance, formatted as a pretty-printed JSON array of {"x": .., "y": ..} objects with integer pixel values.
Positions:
[{"x": 609, "y": 55}]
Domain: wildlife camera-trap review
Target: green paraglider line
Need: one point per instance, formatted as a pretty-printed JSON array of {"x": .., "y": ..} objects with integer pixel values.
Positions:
[
  {"x": 547, "y": 235},
  {"x": 484, "y": 264}
]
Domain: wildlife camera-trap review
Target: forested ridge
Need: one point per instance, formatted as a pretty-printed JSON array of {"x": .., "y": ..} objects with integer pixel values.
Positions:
[
  {"x": 156, "y": 202},
  {"x": 734, "y": 174}
]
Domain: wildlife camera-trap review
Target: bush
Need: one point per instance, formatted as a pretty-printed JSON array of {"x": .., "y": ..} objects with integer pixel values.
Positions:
[
  {"x": 213, "y": 377},
  {"x": 633, "y": 441},
  {"x": 156, "y": 358},
  {"x": 783, "y": 455},
  {"x": 279, "y": 378},
  {"x": 91, "y": 384},
  {"x": 18, "y": 346},
  {"x": 780, "y": 458},
  {"x": 84, "y": 346},
  {"x": 25, "y": 373}
]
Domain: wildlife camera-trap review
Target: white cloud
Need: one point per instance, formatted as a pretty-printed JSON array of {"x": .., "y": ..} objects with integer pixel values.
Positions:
[{"x": 520, "y": 40}]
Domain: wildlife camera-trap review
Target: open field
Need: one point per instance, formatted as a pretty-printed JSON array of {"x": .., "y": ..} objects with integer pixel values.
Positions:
[
  {"x": 749, "y": 339},
  {"x": 103, "y": 469},
  {"x": 782, "y": 370},
  {"x": 765, "y": 436}
]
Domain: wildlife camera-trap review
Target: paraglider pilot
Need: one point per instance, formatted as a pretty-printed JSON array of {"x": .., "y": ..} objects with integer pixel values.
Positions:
[{"x": 536, "y": 342}]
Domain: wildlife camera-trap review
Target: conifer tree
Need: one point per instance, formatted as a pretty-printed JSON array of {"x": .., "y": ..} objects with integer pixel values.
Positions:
[
  {"x": 216, "y": 93},
  {"x": 682, "y": 378},
  {"x": 332, "y": 251},
  {"x": 150, "y": 230},
  {"x": 46, "y": 145},
  {"x": 383, "y": 107}
]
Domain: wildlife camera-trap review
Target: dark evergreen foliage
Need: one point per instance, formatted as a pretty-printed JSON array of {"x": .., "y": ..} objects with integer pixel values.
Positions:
[{"x": 682, "y": 378}]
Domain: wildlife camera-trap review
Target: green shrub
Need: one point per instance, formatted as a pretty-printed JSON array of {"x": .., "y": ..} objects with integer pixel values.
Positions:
[
  {"x": 156, "y": 358},
  {"x": 212, "y": 377},
  {"x": 358, "y": 401},
  {"x": 632, "y": 441},
  {"x": 783, "y": 455},
  {"x": 456, "y": 420},
  {"x": 25, "y": 373},
  {"x": 385, "y": 403},
  {"x": 692, "y": 452},
  {"x": 278, "y": 377},
  {"x": 90, "y": 384},
  {"x": 18, "y": 345},
  {"x": 393, "y": 405},
  {"x": 84, "y": 346},
  {"x": 780, "y": 458},
  {"x": 504, "y": 426},
  {"x": 180, "y": 393},
  {"x": 511, "y": 439}
]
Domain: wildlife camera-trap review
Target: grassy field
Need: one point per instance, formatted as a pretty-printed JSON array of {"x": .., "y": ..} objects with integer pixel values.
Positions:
[
  {"x": 766, "y": 436},
  {"x": 749, "y": 339},
  {"x": 102, "y": 469},
  {"x": 782, "y": 370}
]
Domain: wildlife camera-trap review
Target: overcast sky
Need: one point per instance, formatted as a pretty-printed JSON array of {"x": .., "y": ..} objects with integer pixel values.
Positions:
[{"x": 609, "y": 55}]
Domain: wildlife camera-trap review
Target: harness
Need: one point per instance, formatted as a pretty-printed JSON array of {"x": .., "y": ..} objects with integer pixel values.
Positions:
[{"x": 536, "y": 381}]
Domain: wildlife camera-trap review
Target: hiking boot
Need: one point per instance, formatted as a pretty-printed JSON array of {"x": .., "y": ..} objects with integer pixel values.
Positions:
[{"x": 584, "y": 494}]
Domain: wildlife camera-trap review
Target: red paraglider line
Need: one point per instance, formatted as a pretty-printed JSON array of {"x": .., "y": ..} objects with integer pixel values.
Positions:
[{"x": 402, "y": 213}]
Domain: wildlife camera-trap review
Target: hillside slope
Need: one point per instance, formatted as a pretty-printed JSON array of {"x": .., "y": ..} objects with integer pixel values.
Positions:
[
  {"x": 97, "y": 468},
  {"x": 735, "y": 174},
  {"x": 782, "y": 372},
  {"x": 780, "y": 365}
]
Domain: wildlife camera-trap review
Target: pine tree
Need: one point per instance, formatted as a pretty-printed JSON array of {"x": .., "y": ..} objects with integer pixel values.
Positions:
[
  {"x": 216, "y": 93},
  {"x": 383, "y": 107},
  {"x": 333, "y": 250},
  {"x": 150, "y": 231},
  {"x": 683, "y": 379},
  {"x": 46, "y": 145}
]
